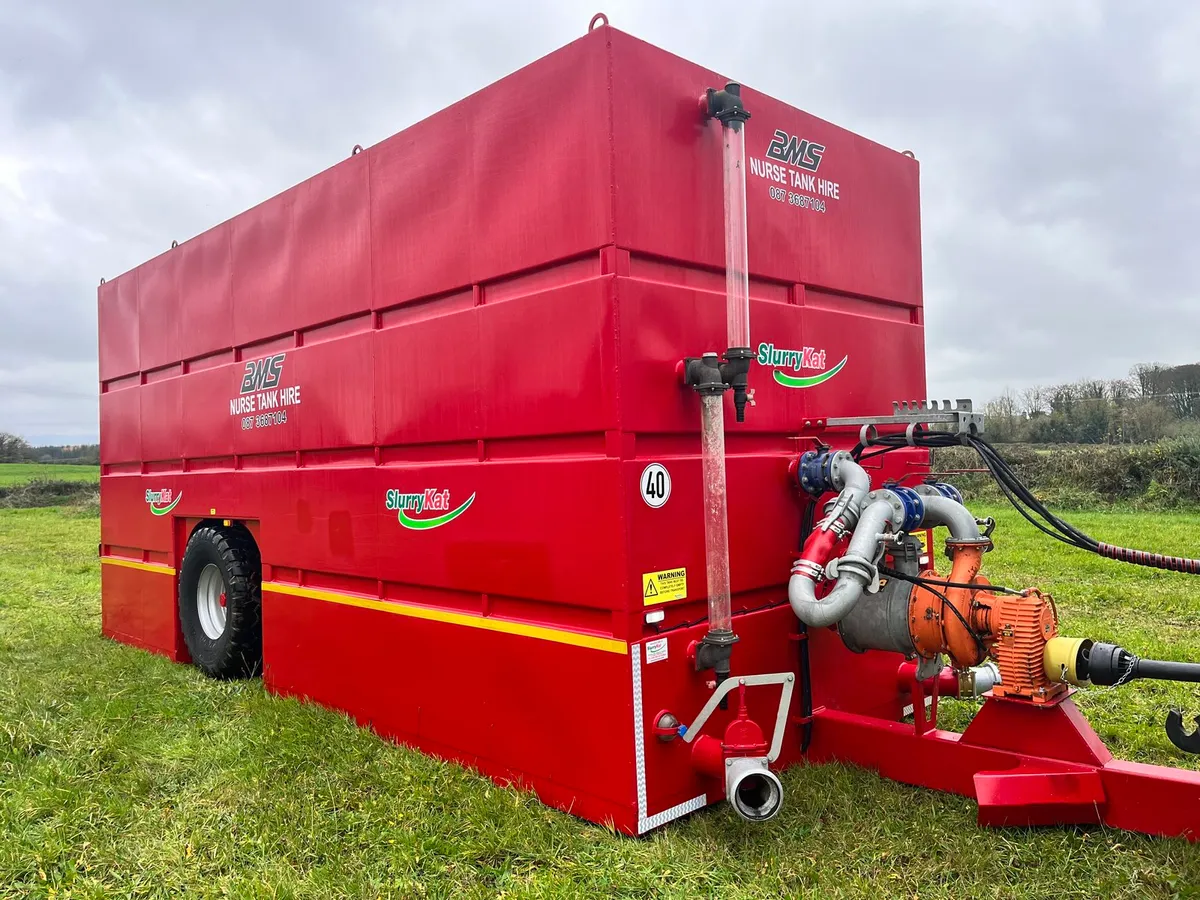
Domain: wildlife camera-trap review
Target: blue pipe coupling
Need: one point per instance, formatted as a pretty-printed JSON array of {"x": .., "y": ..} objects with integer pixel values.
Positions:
[{"x": 914, "y": 507}]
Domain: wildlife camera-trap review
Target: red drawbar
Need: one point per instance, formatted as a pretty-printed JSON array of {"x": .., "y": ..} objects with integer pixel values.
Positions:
[{"x": 1024, "y": 765}]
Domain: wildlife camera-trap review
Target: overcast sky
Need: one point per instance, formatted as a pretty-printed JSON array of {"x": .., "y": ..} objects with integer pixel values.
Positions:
[{"x": 1060, "y": 175}]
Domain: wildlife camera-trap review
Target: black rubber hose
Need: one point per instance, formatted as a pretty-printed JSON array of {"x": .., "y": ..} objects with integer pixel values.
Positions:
[
  {"x": 1153, "y": 560},
  {"x": 1024, "y": 501}
]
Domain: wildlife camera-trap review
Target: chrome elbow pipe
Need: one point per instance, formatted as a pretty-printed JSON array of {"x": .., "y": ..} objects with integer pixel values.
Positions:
[
  {"x": 856, "y": 570},
  {"x": 941, "y": 510}
]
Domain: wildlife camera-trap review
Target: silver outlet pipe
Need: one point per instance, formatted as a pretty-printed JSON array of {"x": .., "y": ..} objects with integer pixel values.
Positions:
[
  {"x": 941, "y": 510},
  {"x": 856, "y": 569},
  {"x": 752, "y": 789}
]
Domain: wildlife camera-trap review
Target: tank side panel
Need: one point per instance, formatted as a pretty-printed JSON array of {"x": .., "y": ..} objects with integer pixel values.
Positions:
[
  {"x": 453, "y": 196},
  {"x": 330, "y": 400},
  {"x": 467, "y": 695},
  {"x": 669, "y": 190},
  {"x": 548, "y": 362},
  {"x": 206, "y": 293},
  {"x": 117, "y": 310},
  {"x": 320, "y": 520},
  {"x": 162, "y": 419},
  {"x": 208, "y": 429},
  {"x": 426, "y": 376},
  {"x": 535, "y": 529},
  {"x": 120, "y": 426},
  {"x": 263, "y": 253},
  {"x": 159, "y": 312},
  {"x": 128, "y": 522},
  {"x": 330, "y": 276}
]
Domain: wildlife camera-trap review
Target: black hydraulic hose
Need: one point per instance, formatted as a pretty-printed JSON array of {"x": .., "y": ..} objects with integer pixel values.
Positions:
[
  {"x": 1154, "y": 560},
  {"x": 1023, "y": 500},
  {"x": 938, "y": 583}
]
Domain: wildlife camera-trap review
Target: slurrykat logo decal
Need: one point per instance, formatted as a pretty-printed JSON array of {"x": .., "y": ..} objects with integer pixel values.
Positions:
[
  {"x": 797, "y": 360},
  {"x": 162, "y": 502},
  {"x": 411, "y": 507}
]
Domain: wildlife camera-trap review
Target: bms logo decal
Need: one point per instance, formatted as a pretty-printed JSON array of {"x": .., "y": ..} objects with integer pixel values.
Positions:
[
  {"x": 795, "y": 151},
  {"x": 790, "y": 169},
  {"x": 798, "y": 360},
  {"x": 262, "y": 374},
  {"x": 411, "y": 509},
  {"x": 261, "y": 401},
  {"x": 162, "y": 502}
]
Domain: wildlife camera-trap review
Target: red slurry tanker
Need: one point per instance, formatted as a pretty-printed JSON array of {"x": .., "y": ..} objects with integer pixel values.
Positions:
[{"x": 534, "y": 437}]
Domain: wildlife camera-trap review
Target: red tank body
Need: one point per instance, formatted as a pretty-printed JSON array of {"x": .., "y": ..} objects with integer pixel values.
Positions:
[{"x": 430, "y": 378}]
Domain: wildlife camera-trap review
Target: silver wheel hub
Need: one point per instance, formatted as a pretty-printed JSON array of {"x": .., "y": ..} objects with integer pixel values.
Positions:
[{"x": 210, "y": 601}]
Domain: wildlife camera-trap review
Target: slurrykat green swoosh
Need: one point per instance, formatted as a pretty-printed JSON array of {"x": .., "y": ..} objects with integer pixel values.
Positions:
[
  {"x": 812, "y": 380},
  {"x": 419, "y": 524}
]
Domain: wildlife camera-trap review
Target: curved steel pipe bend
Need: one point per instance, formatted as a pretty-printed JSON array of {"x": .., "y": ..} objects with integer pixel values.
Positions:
[{"x": 852, "y": 580}]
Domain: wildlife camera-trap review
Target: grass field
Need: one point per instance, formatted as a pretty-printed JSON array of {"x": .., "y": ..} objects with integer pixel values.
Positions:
[
  {"x": 19, "y": 473},
  {"x": 124, "y": 775}
]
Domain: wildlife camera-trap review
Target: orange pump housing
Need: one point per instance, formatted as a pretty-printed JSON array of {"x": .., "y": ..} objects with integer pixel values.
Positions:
[{"x": 969, "y": 623}]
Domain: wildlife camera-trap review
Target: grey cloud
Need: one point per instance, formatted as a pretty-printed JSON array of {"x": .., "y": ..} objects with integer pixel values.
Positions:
[{"x": 1060, "y": 188}]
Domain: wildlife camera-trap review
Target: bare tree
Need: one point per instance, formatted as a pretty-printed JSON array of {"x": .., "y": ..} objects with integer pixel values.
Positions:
[
  {"x": 1004, "y": 417},
  {"x": 12, "y": 447},
  {"x": 1120, "y": 390},
  {"x": 1034, "y": 401},
  {"x": 1149, "y": 380}
]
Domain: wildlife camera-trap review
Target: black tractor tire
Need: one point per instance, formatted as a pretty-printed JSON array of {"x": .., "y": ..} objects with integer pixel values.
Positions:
[{"x": 224, "y": 641}]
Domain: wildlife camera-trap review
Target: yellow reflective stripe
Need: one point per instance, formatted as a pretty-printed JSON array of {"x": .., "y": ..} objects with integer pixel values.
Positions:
[
  {"x": 574, "y": 638},
  {"x": 131, "y": 564}
]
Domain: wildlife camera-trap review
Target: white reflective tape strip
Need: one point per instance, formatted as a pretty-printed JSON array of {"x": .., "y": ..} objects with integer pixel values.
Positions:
[
  {"x": 908, "y": 710},
  {"x": 681, "y": 809},
  {"x": 645, "y": 823},
  {"x": 639, "y": 733}
]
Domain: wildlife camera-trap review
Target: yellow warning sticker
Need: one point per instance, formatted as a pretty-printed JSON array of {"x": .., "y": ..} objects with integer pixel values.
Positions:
[{"x": 660, "y": 587}]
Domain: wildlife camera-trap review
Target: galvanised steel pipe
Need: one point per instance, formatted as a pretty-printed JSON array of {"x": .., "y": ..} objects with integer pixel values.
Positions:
[{"x": 856, "y": 570}]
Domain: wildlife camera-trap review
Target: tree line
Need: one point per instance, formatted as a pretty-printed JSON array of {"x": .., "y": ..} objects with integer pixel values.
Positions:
[
  {"x": 1154, "y": 402},
  {"x": 15, "y": 449}
]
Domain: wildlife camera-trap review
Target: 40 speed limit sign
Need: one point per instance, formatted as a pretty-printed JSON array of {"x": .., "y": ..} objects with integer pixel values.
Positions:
[{"x": 655, "y": 485}]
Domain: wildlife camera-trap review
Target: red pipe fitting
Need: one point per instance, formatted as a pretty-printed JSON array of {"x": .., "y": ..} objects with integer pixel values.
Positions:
[
  {"x": 947, "y": 679},
  {"x": 743, "y": 737}
]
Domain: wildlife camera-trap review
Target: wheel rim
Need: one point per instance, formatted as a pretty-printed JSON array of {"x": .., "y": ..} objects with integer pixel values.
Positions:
[{"x": 210, "y": 602}]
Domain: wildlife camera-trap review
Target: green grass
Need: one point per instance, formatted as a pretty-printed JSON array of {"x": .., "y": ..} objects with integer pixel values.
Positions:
[
  {"x": 122, "y": 774},
  {"x": 20, "y": 473}
]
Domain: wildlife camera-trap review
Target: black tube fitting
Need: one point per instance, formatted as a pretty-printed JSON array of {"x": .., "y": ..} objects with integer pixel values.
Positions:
[
  {"x": 705, "y": 374},
  {"x": 1105, "y": 664},
  {"x": 713, "y": 652},
  {"x": 708, "y": 375},
  {"x": 735, "y": 372},
  {"x": 726, "y": 106}
]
